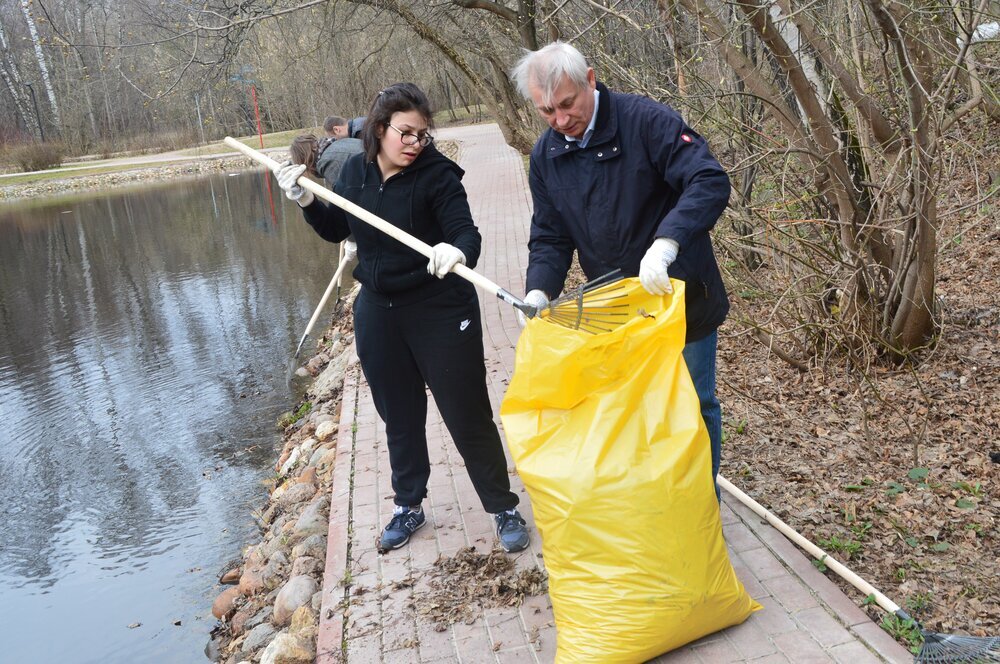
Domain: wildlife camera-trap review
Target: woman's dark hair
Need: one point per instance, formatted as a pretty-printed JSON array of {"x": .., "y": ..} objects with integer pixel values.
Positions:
[
  {"x": 393, "y": 99},
  {"x": 305, "y": 150}
]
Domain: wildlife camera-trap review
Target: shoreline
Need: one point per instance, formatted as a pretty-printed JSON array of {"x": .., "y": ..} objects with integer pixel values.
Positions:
[
  {"x": 270, "y": 608},
  {"x": 104, "y": 183}
]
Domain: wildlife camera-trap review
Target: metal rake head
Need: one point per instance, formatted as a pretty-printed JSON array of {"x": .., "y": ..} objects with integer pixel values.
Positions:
[
  {"x": 597, "y": 306},
  {"x": 953, "y": 648}
]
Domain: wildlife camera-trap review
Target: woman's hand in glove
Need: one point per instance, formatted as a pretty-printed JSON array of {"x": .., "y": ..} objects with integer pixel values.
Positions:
[
  {"x": 443, "y": 258},
  {"x": 288, "y": 176}
]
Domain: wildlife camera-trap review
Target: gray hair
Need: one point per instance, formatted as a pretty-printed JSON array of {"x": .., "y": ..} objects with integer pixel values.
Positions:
[{"x": 546, "y": 67}]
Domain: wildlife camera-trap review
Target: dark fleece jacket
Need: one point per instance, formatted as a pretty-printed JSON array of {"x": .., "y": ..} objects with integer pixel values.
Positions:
[{"x": 426, "y": 199}]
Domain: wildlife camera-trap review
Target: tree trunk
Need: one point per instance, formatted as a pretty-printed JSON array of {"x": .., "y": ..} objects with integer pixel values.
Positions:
[
  {"x": 12, "y": 80},
  {"x": 42, "y": 66}
]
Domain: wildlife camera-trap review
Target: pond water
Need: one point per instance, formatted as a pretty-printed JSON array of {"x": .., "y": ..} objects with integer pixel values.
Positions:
[{"x": 144, "y": 343}]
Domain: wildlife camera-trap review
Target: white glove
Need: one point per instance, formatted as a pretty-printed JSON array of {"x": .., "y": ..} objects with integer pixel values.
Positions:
[
  {"x": 288, "y": 176},
  {"x": 443, "y": 258},
  {"x": 653, "y": 267},
  {"x": 536, "y": 298},
  {"x": 350, "y": 250}
]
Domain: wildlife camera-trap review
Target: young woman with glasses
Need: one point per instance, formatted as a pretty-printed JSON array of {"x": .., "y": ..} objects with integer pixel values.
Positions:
[{"x": 415, "y": 323}]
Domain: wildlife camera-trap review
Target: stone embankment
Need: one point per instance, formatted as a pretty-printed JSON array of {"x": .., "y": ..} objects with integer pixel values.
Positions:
[
  {"x": 75, "y": 184},
  {"x": 269, "y": 612}
]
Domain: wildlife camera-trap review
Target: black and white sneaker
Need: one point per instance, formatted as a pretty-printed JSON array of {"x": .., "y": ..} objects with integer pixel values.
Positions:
[
  {"x": 405, "y": 521},
  {"x": 512, "y": 531}
]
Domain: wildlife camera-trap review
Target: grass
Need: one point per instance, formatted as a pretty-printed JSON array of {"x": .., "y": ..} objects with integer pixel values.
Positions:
[
  {"x": 907, "y": 631},
  {"x": 461, "y": 115},
  {"x": 288, "y": 419},
  {"x": 278, "y": 139}
]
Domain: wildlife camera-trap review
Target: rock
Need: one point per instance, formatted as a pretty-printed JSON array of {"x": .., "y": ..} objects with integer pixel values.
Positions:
[
  {"x": 327, "y": 460},
  {"x": 314, "y": 519},
  {"x": 297, "y": 493},
  {"x": 288, "y": 649},
  {"x": 213, "y": 649},
  {"x": 278, "y": 527},
  {"x": 290, "y": 461},
  {"x": 317, "y": 454},
  {"x": 301, "y": 372},
  {"x": 306, "y": 565},
  {"x": 225, "y": 604},
  {"x": 315, "y": 365},
  {"x": 260, "y": 579},
  {"x": 332, "y": 378},
  {"x": 231, "y": 577},
  {"x": 254, "y": 556},
  {"x": 308, "y": 476},
  {"x": 326, "y": 430},
  {"x": 323, "y": 417},
  {"x": 297, "y": 592},
  {"x": 304, "y": 622},
  {"x": 307, "y": 446},
  {"x": 272, "y": 511},
  {"x": 259, "y": 637},
  {"x": 317, "y": 601},
  {"x": 313, "y": 546},
  {"x": 279, "y": 490},
  {"x": 238, "y": 623},
  {"x": 259, "y": 618}
]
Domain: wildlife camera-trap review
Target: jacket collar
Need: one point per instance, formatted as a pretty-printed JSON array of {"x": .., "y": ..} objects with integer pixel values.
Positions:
[{"x": 604, "y": 130}]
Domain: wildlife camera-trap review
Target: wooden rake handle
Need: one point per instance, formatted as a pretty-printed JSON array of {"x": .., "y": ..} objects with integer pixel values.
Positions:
[
  {"x": 364, "y": 215},
  {"x": 816, "y": 552}
]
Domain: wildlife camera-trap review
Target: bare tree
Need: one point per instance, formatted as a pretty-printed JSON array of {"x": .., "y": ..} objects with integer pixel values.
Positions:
[
  {"x": 12, "y": 81},
  {"x": 42, "y": 65}
]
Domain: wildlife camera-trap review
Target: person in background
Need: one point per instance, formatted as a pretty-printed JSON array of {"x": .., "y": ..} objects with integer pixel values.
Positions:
[
  {"x": 416, "y": 324},
  {"x": 344, "y": 128},
  {"x": 328, "y": 130},
  {"x": 625, "y": 182},
  {"x": 324, "y": 159}
]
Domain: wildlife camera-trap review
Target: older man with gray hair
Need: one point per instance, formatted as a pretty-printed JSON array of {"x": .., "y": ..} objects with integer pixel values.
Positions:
[{"x": 625, "y": 182}]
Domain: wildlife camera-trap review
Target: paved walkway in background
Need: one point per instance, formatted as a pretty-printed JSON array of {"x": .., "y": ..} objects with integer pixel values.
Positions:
[{"x": 806, "y": 618}]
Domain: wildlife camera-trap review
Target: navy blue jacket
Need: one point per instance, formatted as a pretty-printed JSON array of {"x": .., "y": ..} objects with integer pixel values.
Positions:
[
  {"x": 355, "y": 126},
  {"x": 426, "y": 199},
  {"x": 644, "y": 174}
]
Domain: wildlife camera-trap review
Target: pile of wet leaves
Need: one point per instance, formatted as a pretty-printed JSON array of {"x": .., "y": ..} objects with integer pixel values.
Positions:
[{"x": 458, "y": 587}]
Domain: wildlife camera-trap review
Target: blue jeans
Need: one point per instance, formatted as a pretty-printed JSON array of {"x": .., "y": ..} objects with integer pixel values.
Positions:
[{"x": 700, "y": 358}]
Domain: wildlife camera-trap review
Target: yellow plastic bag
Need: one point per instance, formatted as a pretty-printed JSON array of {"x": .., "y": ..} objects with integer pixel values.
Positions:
[{"x": 606, "y": 432}]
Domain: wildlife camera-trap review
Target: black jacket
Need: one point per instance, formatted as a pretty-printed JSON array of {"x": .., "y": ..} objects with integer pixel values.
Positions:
[
  {"x": 426, "y": 199},
  {"x": 644, "y": 174}
]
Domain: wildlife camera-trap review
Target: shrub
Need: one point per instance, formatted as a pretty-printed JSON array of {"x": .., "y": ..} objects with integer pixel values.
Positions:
[{"x": 35, "y": 156}]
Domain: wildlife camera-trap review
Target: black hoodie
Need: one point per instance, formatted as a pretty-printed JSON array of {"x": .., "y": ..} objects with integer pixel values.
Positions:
[{"x": 426, "y": 199}]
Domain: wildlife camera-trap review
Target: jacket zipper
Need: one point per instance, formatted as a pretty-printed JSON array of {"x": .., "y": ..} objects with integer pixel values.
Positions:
[{"x": 378, "y": 208}]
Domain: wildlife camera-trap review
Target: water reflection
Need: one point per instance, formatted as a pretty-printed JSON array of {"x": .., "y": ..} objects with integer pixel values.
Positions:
[{"x": 143, "y": 342}]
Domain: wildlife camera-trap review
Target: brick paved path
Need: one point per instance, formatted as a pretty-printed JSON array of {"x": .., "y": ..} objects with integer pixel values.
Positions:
[{"x": 806, "y": 618}]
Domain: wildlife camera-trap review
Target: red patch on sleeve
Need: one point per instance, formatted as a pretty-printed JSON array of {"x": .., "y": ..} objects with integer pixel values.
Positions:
[{"x": 686, "y": 138}]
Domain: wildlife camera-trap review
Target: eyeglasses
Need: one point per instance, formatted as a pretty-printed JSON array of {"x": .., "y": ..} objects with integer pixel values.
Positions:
[{"x": 406, "y": 138}]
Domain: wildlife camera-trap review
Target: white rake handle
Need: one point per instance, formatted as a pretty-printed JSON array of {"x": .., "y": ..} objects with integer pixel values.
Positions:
[
  {"x": 322, "y": 303},
  {"x": 364, "y": 215}
]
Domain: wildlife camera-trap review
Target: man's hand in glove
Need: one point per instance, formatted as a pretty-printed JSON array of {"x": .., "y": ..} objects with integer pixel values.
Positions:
[
  {"x": 653, "y": 267},
  {"x": 536, "y": 298}
]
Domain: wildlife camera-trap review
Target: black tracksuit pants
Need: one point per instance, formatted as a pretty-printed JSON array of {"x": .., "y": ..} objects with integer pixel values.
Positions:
[{"x": 436, "y": 341}]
